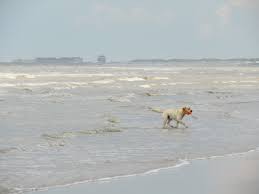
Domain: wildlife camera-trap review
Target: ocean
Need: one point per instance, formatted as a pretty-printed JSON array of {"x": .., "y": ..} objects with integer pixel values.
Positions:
[{"x": 63, "y": 124}]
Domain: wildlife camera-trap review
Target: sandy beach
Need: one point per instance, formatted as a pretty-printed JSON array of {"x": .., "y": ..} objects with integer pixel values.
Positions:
[{"x": 231, "y": 174}]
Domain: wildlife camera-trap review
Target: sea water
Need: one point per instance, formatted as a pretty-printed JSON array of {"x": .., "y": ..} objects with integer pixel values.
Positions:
[{"x": 62, "y": 124}]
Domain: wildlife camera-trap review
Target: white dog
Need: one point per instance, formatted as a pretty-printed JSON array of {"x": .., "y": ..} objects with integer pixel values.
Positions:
[{"x": 174, "y": 114}]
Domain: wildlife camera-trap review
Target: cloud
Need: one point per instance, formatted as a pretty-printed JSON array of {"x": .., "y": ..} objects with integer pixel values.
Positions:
[
  {"x": 225, "y": 11},
  {"x": 103, "y": 13}
]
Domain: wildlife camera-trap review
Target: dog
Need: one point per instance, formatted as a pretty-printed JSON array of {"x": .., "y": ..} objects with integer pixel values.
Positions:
[{"x": 174, "y": 114}]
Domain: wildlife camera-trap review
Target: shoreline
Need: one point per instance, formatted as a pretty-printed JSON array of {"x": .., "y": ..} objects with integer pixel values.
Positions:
[{"x": 82, "y": 186}]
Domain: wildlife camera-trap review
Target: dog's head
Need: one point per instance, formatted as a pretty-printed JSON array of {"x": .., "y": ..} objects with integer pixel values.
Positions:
[{"x": 187, "y": 110}]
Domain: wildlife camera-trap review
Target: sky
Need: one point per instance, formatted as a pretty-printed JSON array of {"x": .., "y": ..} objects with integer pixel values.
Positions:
[{"x": 129, "y": 29}]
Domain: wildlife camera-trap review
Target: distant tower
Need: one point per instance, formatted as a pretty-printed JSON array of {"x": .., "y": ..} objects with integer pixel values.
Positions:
[{"x": 101, "y": 59}]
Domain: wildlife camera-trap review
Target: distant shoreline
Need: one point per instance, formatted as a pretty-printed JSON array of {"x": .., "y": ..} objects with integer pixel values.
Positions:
[{"x": 136, "y": 61}]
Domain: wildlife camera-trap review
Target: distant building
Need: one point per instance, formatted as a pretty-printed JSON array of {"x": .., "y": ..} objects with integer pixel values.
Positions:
[
  {"x": 60, "y": 60},
  {"x": 101, "y": 59}
]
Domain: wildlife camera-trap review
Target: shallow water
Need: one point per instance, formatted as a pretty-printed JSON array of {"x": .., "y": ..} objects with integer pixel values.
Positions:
[{"x": 64, "y": 124}]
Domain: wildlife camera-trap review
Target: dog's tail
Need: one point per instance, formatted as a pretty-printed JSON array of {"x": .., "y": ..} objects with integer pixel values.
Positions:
[{"x": 155, "y": 109}]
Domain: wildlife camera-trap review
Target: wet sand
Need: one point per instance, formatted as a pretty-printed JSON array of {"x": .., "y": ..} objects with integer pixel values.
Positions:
[{"x": 231, "y": 174}]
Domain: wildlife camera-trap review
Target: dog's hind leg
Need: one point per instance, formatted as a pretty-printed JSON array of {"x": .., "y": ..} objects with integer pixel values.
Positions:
[
  {"x": 165, "y": 122},
  {"x": 169, "y": 120}
]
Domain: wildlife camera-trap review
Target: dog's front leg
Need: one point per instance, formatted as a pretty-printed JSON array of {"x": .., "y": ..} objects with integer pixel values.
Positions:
[
  {"x": 184, "y": 124},
  {"x": 181, "y": 122}
]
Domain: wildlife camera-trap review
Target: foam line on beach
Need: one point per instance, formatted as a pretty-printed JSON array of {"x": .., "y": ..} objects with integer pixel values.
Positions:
[
  {"x": 182, "y": 162},
  {"x": 131, "y": 79}
]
